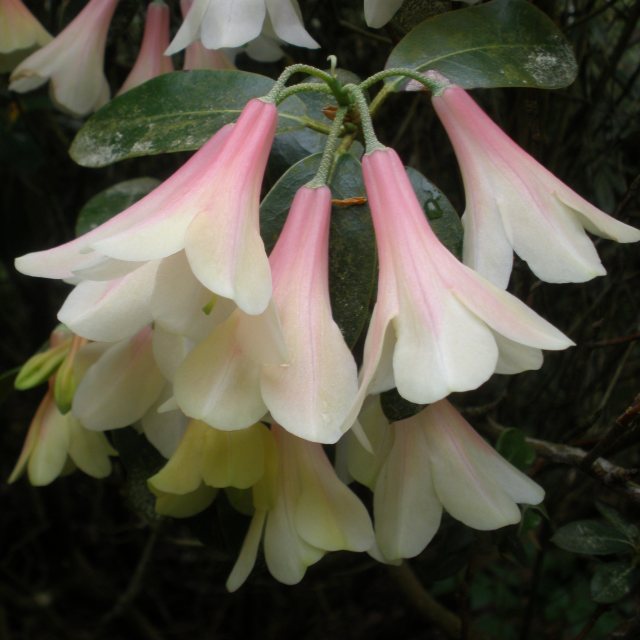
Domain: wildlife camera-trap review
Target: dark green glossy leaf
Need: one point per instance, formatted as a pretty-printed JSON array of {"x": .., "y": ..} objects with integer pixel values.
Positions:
[
  {"x": 504, "y": 43},
  {"x": 630, "y": 531},
  {"x": 591, "y": 537},
  {"x": 352, "y": 255},
  {"x": 613, "y": 581},
  {"x": 112, "y": 201},
  {"x": 512, "y": 445},
  {"x": 442, "y": 217},
  {"x": 177, "y": 111}
]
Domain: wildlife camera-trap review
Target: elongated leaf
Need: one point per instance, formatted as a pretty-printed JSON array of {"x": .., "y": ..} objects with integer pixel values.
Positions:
[
  {"x": 513, "y": 446},
  {"x": 612, "y": 581},
  {"x": 177, "y": 111},
  {"x": 112, "y": 201},
  {"x": 352, "y": 254},
  {"x": 591, "y": 537},
  {"x": 630, "y": 531},
  {"x": 504, "y": 43}
]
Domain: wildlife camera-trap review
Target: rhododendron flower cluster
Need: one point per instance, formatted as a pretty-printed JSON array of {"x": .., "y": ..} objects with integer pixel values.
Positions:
[{"x": 231, "y": 361}]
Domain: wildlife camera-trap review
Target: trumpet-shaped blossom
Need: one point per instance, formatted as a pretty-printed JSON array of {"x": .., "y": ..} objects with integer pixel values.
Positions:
[
  {"x": 73, "y": 61},
  {"x": 19, "y": 28},
  {"x": 209, "y": 208},
  {"x": 514, "y": 204},
  {"x": 292, "y": 361},
  {"x": 437, "y": 326},
  {"x": 303, "y": 509},
  {"x": 197, "y": 56},
  {"x": 232, "y": 23},
  {"x": 151, "y": 61},
  {"x": 438, "y": 461},
  {"x": 378, "y": 12}
]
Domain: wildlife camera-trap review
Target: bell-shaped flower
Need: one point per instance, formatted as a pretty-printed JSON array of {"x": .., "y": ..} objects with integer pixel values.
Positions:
[
  {"x": 206, "y": 460},
  {"x": 378, "y": 12},
  {"x": 304, "y": 510},
  {"x": 514, "y": 204},
  {"x": 232, "y": 23},
  {"x": 151, "y": 61},
  {"x": 437, "y": 326},
  {"x": 197, "y": 56},
  {"x": 308, "y": 382},
  {"x": 58, "y": 443},
  {"x": 438, "y": 461},
  {"x": 121, "y": 386},
  {"x": 209, "y": 208},
  {"x": 20, "y": 30},
  {"x": 73, "y": 61}
]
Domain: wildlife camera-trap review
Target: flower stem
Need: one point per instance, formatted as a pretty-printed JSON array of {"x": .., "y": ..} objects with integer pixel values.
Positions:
[
  {"x": 370, "y": 140},
  {"x": 281, "y": 82},
  {"x": 432, "y": 80},
  {"x": 322, "y": 175}
]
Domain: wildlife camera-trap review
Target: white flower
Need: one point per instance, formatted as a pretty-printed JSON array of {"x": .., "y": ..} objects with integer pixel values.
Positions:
[{"x": 231, "y": 23}]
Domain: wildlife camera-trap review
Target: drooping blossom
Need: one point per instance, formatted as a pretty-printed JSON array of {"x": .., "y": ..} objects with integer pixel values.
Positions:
[
  {"x": 209, "y": 208},
  {"x": 197, "y": 56},
  {"x": 20, "y": 30},
  {"x": 437, "y": 326},
  {"x": 233, "y": 23},
  {"x": 514, "y": 204},
  {"x": 435, "y": 461},
  {"x": 151, "y": 61},
  {"x": 309, "y": 381},
  {"x": 303, "y": 510},
  {"x": 378, "y": 12},
  {"x": 73, "y": 62}
]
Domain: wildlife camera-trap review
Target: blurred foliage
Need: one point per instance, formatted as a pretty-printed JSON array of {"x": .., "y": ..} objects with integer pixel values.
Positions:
[{"x": 79, "y": 564}]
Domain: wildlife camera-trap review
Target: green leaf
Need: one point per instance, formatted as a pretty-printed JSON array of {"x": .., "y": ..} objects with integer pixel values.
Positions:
[
  {"x": 504, "y": 43},
  {"x": 613, "y": 581},
  {"x": 592, "y": 537},
  {"x": 112, "y": 201},
  {"x": 352, "y": 254},
  {"x": 176, "y": 111},
  {"x": 512, "y": 445},
  {"x": 442, "y": 217},
  {"x": 630, "y": 531}
]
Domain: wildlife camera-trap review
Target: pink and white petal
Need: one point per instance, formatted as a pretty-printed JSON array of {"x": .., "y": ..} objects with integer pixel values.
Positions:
[
  {"x": 120, "y": 387},
  {"x": 505, "y": 314},
  {"x": 248, "y": 552},
  {"x": 103, "y": 268},
  {"x": 164, "y": 430},
  {"x": 440, "y": 349},
  {"x": 594, "y": 220},
  {"x": 218, "y": 384},
  {"x": 378, "y": 12},
  {"x": 227, "y": 255},
  {"x": 169, "y": 351},
  {"x": 516, "y": 358},
  {"x": 328, "y": 515},
  {"x": 112, "y": 310},
  {"x": 467, "y": 484},
  {"x": 406, "y": 511},
  {"x": 486, "y": 248},
  {"x": 262, "y": 338},
  {"x": 49, "y": 455},
  {"x": 286, "y": 21},
  {"x": 89, "y": 450},
  {"x": 190, "y": 28},
  {"x": 231, "y": 23}
]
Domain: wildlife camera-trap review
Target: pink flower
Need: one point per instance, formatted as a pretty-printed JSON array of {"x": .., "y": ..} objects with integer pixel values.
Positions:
[
  {"x": 438, "y": 461},
  {"x": 19, "y": 28},
  {"x": 209, "y": 208},
  {"x": 151, "y": 61},
  {"x": 292, "y": 360},
  {"x": 515, "y": 204},
  {"x": 437, "y": 326},
  {"x": 73, "y": 62}
]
